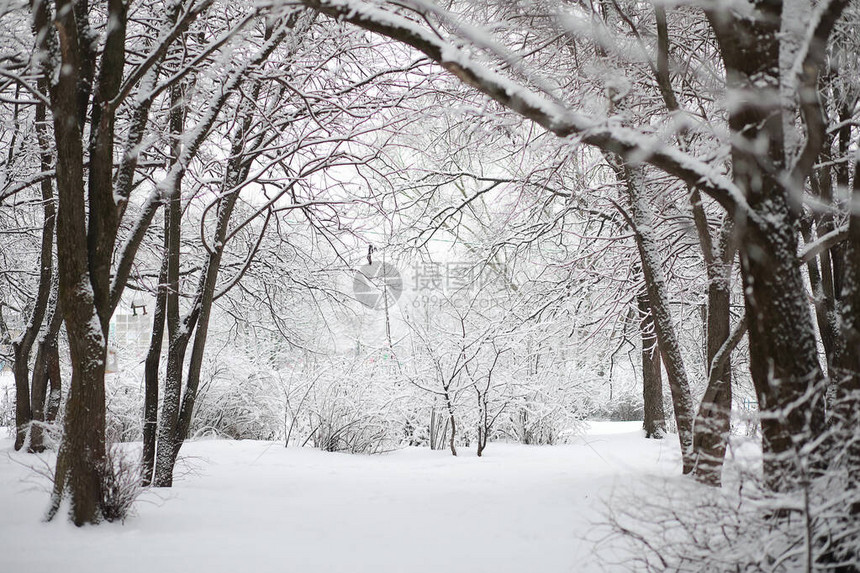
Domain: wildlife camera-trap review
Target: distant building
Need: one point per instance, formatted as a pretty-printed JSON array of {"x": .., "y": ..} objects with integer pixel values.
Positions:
[{"x": 130, "y": 330}]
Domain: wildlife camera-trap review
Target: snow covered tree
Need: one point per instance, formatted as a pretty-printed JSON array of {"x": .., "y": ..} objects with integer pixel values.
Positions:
[
  {"x": 86, "y": 57},
  {"x": 758, "y": 185}
]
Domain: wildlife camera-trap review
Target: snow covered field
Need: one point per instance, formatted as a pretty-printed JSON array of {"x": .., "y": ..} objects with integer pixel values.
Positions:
[{"x": 258, "y": 507}]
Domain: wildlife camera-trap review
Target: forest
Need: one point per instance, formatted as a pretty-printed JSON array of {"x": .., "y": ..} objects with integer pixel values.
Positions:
[{"x": 568, "y": 284}]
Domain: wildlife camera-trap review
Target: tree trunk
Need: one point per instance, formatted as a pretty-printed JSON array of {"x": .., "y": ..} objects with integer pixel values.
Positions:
[
  {"x": 655, "y": 284},
  {"x": 24, "y": 344},
  {"x": 784, "y": 363},
  {"x": 165, "y": 453},
  {"x": 483, "y": 422},
  {"x": 46, "y": 372},
  {"x": 82, "y": 452},
  {"x": 453, "y": 434},
  {"x": 86, "y": 232},
  {"x": 713, "y": 421},
  {"x": 55, "y": 390},
  {"x": 21, "y": 373},
  {"x": 81, "y": 459},
  {"x": 153, "y": 360},
  {"x": 846, "y": 368},
  {"x": 206, "y": 296},
  {"x": 652, "y": 379},
  {"x": 821, "y": 283},
  {"x": 178, "y": 331},
  {"x": 783, "y": 355}
]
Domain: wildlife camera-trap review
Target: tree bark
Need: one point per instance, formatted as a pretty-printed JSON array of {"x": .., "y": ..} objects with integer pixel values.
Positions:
[
  {"x": 22, "y": 347},
  {"x": 784, "y": 363},
  {"x": 151, "y": 367},
  {"x": 46, "y": 373},
  {"x": 713, "y": 421},
  {"x": 846, "y": 368},
  {"x": 55, "y": 391},
  {"x": 453, "y": 423},
  {"x": 821, "y": 283},
  {"x": 86, "y": 232},
  {"x": 178, "y": 330},
  {"x": 82, "y": 452},
  {"x": 655, "y": 285},
  {"x": 652, "y": 379}
]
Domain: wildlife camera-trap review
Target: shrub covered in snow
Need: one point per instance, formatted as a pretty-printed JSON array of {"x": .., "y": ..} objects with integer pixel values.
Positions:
[
  {"x": 681, "y": 525},
  {"x": 124, "y": 404},
  {"x": 7, "y": 406},
  {"x": 241, "y": 404},
  {"x": 348, "y": 406},
  {"x": 121, "y": 483}
]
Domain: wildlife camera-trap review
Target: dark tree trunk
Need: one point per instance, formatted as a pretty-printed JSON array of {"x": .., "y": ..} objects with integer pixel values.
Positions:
[
  {"x": 483, "y": 421},
  {"x": 46, "y": 374},
  {"x": 846, "y": 368},
  {"x": 783, "y": 354},
  {"x": 153, "y": 360},
  {"x": 21, "y": 373},
  {"x": 713, "y": 421},
  {"x": 52, "y": 364},
  {"x": 86, "y": 233},
  {"x": 81, "y": 459},
  {"x": 667, "y": 340},
  {"x": 178, "y": 331},
  {"x": 784, "y": 363},
  {"x": 82, "y": 452},
  {"x": 24, "y": 344},
  {"x": 453, "y": 435},
  {"x": 166, "y": 449},
  {"x": 203, "y": 301},
  {"x": 652, "y": 378}
]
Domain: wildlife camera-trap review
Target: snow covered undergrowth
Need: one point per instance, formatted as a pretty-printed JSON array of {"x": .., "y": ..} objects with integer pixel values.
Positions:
[{"x": 258, "y": 507}]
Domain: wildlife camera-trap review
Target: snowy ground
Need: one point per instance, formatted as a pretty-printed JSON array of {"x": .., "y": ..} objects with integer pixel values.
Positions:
[{"x": 258, "y": 507}]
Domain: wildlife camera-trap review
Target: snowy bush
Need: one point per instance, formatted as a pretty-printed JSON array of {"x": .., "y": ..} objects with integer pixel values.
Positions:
[
  {"x": 240, "y": 405},
  {"x": 124, "y": 404},
  {"x": 52, "y": 433},
  {"x": 121, "y": 483},
  {"x": 416, "y": 425},
  {"x": 350, "y": 415},
  {"x": 625, "y": 408},
  {"x": 536, "y": 422},
  {"x": 547, "y": 408},
  {"x": 7, "y": 406},
  {"x": 684, "y": 526}
]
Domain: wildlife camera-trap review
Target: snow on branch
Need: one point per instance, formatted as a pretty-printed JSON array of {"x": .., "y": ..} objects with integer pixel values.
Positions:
[
  {"x": 156, "y": 55},
  {"x": 193, "y": 139},
  {"x": 824, "y": 242},
  {"x": 807, "y": 70},
  {"x": 633, "y": 146}
]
